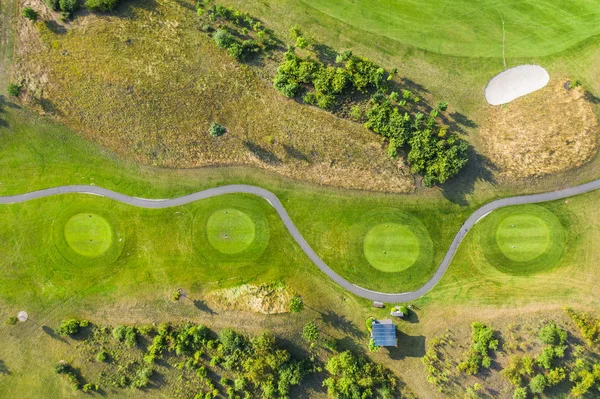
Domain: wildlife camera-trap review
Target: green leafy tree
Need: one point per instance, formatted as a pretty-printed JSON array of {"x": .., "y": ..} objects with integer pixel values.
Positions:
[
  {"x": 30, "y": 14},
  {"x": 296, "y": 304},
  {"x": 520, "y": 393},
  {"x": 538, "y": 384},
  {"x": 14, "y": 90},
  {"x": 310, "y": 332},
  {"x": 101, "y": 5}
]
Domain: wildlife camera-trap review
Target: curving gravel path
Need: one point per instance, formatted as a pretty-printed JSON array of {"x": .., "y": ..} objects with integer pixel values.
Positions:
[{"x": 274, "y": 201}]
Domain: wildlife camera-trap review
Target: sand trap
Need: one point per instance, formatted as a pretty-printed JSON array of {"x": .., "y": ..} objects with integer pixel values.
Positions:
[{"x": 514, "y": 83}]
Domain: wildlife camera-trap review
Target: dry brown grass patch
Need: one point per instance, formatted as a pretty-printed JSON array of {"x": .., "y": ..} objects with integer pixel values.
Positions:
[
  {"x": 271, "y": 298},
  {"x": 549, "y": 131}
]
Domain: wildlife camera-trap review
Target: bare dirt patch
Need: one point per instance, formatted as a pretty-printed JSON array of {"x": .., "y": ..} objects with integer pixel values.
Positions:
[
  {"x": 271, "y": 298},
  {"x": 549, "y": 131}
]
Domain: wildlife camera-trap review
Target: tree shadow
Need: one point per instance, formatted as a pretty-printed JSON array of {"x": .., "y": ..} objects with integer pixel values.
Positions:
[
  {"x": 348, "y": 343},
  {"x": 203, "y": 306},
  {"x": 55, "y": 27},
  {"x": 591, "y": 98},
  {"x": 3, "y": 368},
  {"x": 52, "y": 334},
  {"x": 458, "y": 122},
  {"x": 295, "y": 153},
  {"x": 408, "y": 346},
  {"x": 48, "y": 107},
  {"x": 341, "y": 323},
  {"x": 262, "y": 153},
  {"x": 479, "y": 168},
  {"x": 325, "y": 54}
]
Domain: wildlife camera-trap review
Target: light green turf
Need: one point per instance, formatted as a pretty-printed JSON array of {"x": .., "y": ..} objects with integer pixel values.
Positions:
[
  {"x": 230, "y": 231},
  {"x": 523, "y": 240},
  {"x": 391, "y": 247},
  {"x": 522, "y": 237},
  {"x": 88, "y": 234},
  {"x": 472, "y": 28}
]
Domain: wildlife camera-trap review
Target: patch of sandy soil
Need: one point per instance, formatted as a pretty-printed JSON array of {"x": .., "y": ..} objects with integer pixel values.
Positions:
[
  {"x": 271, "y": 298},
  {"x": 549, "y": 131}
]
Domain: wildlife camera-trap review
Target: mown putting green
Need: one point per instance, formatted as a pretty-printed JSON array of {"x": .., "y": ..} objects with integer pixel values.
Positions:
[
  {"x": 523, "y": 240},
  {"x": 391, "y": 247},
  {"x": 230, "y": 231},
  {"x": 88, "y": 234}
]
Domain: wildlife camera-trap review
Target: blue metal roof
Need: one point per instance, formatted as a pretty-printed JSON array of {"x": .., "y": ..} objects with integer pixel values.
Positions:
[{"x": 384, "y": 334}]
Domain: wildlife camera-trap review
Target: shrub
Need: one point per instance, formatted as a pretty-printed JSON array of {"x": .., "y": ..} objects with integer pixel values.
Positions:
[
  {"x": 404, "y": 310},
  {"x": 223, "y": 39},
  {"x": 30, "y": 14},
  {"x": 142, "y": 378},
  {"x": 90, "y": 387},
  {"x": 176, "y": 295},
  {"x": 296, "y": 304},
  {"x": 551, "y": 334},
  {"x": 537, "y": 384},
  {"x": 101, "y": 5},
  {"x": 102, "y": 356},
  {"x": 68, "y": 7},
  {"x": 70, "y": 327},
  {"x": 11, "y": 321},
  {"x": 301, "y": 42},
  {"x": 52, "y": 4},
  {"x": 14, "y": 90},
  {"x": 520, "y": 393},
  {"x": 216, "y": 130},
  {"x": 310, "y": 332},
  {"x": 482, "y": 341}
]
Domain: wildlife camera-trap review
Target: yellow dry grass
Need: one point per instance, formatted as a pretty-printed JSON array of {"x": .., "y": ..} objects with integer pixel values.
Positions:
[
  {"x": 264, "y": 298},
  {"x": 549, "y": 131}
]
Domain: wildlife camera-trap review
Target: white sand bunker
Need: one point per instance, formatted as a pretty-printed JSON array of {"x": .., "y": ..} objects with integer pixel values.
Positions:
[{"x": 514, "y": 83}]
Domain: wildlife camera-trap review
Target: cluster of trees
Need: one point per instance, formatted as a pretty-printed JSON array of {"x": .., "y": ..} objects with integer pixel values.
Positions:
[
  {"x": 478, "y": 355},
  {"x": 68, "y": 7},
  {"x": 352, "y": 376},
  {"x": 588, "y": 325},
  {"x": 70, "y": 327},
  {"x": 431, "y": 150},
  {"x": 237, "y": 32}
]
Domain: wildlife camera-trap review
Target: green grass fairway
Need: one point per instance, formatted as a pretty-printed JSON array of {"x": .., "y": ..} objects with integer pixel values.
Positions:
[
  {"x": 88, "y": 234},
  {"x": 230, "y": 231},
  {"x": 522, "y": 237},
  {"x": 473, "y": 29},
  {"x": 523, "y": 240},
  {"x": 391, "y": 247}
]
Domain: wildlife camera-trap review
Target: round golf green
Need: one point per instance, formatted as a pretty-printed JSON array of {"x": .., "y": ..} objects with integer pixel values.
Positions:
[
  {"x": 391, "y": 247},
  {"x": 88, "y": 234},
  {"x": 230, "y": 231},
  {"x": 523, "y": 240}
]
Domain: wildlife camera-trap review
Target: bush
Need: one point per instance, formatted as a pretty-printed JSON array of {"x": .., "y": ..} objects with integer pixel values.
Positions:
[
  {"x": 70, "y": 327},
  {"x": 68, "y": 7},
  {"x": 404, "y": 310},
  {"x": 14, "y": 90},
  {"x": 30, "y": 14},
  {"x": 52, "y": 4},
  {"x": 101, "y": 5},
  {"x": 296, "y": 304},
  {"x": 537, "y": 384},
  {"x": 520, "y": 393},
  {"x": 176, "y": 295},
  {"x": 551, "y": 334},
  {"x": 11, "y": 321},
  {"x": 477, "y": 357},
  {"x": 102, "y": 356},
  {"x": 310, "y": 332},
  {"x": 216, "y": 130}
]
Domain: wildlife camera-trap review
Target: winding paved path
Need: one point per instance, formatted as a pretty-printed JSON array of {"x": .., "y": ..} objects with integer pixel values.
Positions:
[{"x": 274, "y": 201}]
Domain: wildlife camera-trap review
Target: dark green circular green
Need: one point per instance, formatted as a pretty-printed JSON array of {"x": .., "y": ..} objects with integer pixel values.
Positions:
[
  {"x": 522, "y": 240},
  {"x": 232, "y": 230},
  {"x": 87, "y": 236},
  {"x": 395, "y": 243}
]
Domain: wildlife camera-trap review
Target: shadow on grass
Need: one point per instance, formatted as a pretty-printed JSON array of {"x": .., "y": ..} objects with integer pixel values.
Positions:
[
  {"x": 55, "y": 27},
  {"x": 262, "y": 153},
  {"x": 408, "y": 346},
  {"x": 52, "y": 334},
  {"x": 295, "y": 153},
  {"x": 3, "y": 369},
  {"x": 203, "y": 307},
  {"x": 341, "y": 323},
  {"x": 479, "y": 168},
  {"x": 324, "y": 53}
]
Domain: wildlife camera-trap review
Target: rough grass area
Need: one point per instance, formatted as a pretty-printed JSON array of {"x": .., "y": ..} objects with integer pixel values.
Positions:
[
  {"x": 268, "y": 298},
  {"x": 161, "y": 83},
  {"x": 549, "y": 131},
  {"x": 463, "y": 28}
]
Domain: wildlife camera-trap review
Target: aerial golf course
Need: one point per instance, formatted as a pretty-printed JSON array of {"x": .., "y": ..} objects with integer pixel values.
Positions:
[{"x": 332, "y": 199}]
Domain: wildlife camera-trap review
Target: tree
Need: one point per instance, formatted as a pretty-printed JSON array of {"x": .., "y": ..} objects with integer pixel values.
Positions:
[
  {"x": 14, "y": 90},
  {"x": 295, "y": 32},
  {"x": 520, "y": 393},
  {"x": 537, "y": 384},
  {"x": 70, "y": 327},
  {"x": 551, "y": 334},
  {"x": 296, "y": 304},
  {"x": 310, "y": 332},
  {"x": 30, "y": 14},
  {"x": 301, "y": 42},
  {"x": 101, "y": 5},
  {"x": 216, "y": 130},
  {"x": 223, "y": 39}
]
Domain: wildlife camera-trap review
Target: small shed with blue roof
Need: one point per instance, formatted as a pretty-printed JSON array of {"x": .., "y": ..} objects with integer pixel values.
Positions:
[{"x": 383, "y": 333}]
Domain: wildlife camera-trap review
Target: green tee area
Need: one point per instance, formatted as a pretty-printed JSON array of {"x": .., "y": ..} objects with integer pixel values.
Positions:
[{"x": 466, "y": 28}]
